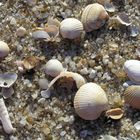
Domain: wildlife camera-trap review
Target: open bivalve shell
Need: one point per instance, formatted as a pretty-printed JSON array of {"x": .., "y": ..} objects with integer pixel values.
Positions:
[
  {"x": 7, "y": 79},
  {"x": 53, "y": 67},
  {"x": 132, "y": 96},
  {"x": 94, "y": 16},
  {"x": 90, "y": 101},
  {"x": 115, "y": 113},
  {"x": 71, "y": 28},
  {"x": 79, "y": 80},
  {"x": 132, "y": 68}
]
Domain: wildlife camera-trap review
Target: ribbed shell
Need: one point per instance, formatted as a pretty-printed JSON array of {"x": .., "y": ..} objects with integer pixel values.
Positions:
[
  {"x": 94, "y": 16},
  {"x": 53, "y": 67},
  {"x": 132, "y": 68},
  {"x": 90, "y": 101},
  {"x": 132, "y": 96},
  {"x": 71, "y": 28}
]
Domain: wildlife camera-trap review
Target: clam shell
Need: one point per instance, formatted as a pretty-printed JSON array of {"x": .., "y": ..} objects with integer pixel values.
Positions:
[
  {"x": 94, "y": 16},
  {"x": 7, "y": 79},
  {"x": 90, "y": 101},
  {"x": 71, "y": 28},
  {"x": 132, "y": 96},
  {"x": 115, "y": 113},
  {"x": 79, "y": 80},
  {"x": 132, "y": 68},
  {"x": 4, "y": 49},
  {"x": 53, "y": 67},
  {"x": 40, "y": 34}
]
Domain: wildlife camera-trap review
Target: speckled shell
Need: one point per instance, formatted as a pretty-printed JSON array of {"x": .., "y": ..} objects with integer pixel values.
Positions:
[
  {"x": 132, "y": 68},
  {"x": 53, "y": 67},
  {"x": 71, "y": 28},
  {"x": 132, "y": 96},
  {"x": 4, "y": 49},
  {"x": 94, "y": 16},
  {"x": 90, "y": 101}
]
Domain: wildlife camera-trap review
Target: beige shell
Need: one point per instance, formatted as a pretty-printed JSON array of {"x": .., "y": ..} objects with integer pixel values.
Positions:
[
  {"x": 132, "y": 96},
  {"x": 115, "y": 113},
  {"x": 4, "y": 49},
  {"x": 53, "y": 67},
  {"x": 79, "y": 80},
  {"x": 94, "y": 16},
  {"x": 71, "y": 28},
  {"x": 90, "y": 101}
]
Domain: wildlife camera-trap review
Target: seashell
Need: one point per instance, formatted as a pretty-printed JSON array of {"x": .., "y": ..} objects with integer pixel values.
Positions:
[
  {"x": 109, "y": 7},
  {"x": 132, "y": 96},
  {"x": 40, "y": 34},
  {"x": 7, "y": 79},
  {"x": 7, "y": 92},
  {"x": 31, "y": 61},
  {"x": 104, "y": 1},
  {"x": 43, "y": 83},
  {"x": 21, "y": 32},
  {"x": 90, "y": 101},
  {"x": 134, "y": 31},
  {"x": 4, "y": 49},
  {"x": 5, "y": 119},
  {"x": 132, "y": 68},
  {"x": 94, "y": 16},
  {"x": 53, "y": 67},
  {"x": 79, "y": 80},
  {"x": 115, "y": 114},
  {"x": 71, "y": 28}
]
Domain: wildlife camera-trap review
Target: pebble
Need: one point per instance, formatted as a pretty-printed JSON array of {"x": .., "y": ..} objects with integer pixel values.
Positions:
[
  {"x": 13, "y": 21},
  {"x": 43, "y": 83},
  {"x": 84, "y": 71},
  {"x": 21, "y": 32},
  {"x": 63, "y": 133},
  {"x": 41, "y": 100},
  {"x": 92, "y": 74},
  {"x": 127, "y": 84},
  {"x": 45, "y": 94},
  {"x": 108, "y": 137},
  {"x": 137, "y": 125}
]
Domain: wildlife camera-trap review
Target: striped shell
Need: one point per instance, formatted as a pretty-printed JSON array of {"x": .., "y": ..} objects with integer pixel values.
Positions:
[
  {"x": 132, "y": 96},
  {"x": 132, "y": 68},
  {"x": 94, "y": 16},
  {"x": 71, "y": 28},
  {"x": 90, "y": 101},
  {"x": 53, "y": 67}
]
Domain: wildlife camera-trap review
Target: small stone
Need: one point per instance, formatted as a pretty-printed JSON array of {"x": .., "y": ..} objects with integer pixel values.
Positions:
[
  {"x": 46, "y": 130},
  {"x": 45, "y": 94},
  {"x": 63, "y": 133},
  {"x": 108, "y": 137},
  {"x": 92, "y": 74},
  {"x": 137, "y": 125},
  {"x": 84, "y": 71},
  {"x": 21, "y": 31},
  {"x": 41, "y": 100},
  {"x": 127, "y": 84},
  {"x": 99, "y": 41},
  {"x": 13, "y": 21},
  {"x": 43, "y": 83},
  {"x": 83, "y": 133}
]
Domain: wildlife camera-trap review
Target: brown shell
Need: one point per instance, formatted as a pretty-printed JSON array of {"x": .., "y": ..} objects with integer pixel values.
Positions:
[
  {"x": 94, "y": 16},
  {"x": 132, "y": 96},
  {"x": 115, "y": 114}
]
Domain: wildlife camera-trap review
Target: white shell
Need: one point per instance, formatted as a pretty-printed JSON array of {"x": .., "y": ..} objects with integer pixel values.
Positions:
[
  {"x": 7, "y": 79},
  {"x": 4, "y": 49},
  {"x": 132, "y": 96},
  {"x": 132, "y": 68},
  {"x": 4, "y": 117},
  {"x": 71, "y": 28},
  {"x": 79, "y": 80},
  {"x": 90, "y": 101},
  {"x": 94, "y": 16},
  {"x": 53, "y": 67}
]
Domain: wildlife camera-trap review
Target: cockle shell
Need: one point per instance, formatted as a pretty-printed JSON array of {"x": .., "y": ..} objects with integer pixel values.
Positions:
[
  {"x": 132, "y": 96},
  {"x": 132, "y": 68},
  {"x": 71, "y": 28},
  {"x": 90, "y": 101},
  {"x": 4, "y": 49},
  {"x": 53, "y": 67},
  {"x": 94, "y": 16},
  {"x": 79, "y": 80},
  {"x": 115, "y": 113}
]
